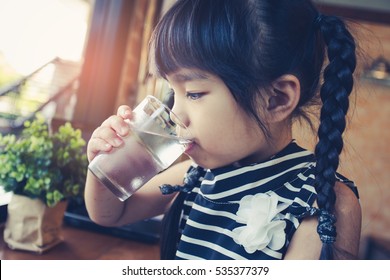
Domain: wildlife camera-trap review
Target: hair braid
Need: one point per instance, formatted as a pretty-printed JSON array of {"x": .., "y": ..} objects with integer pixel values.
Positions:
[{"x": 335, "y": 91}]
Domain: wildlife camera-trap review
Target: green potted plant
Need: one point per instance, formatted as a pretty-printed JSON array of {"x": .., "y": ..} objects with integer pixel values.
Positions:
[{"x": 43, "y": 170}]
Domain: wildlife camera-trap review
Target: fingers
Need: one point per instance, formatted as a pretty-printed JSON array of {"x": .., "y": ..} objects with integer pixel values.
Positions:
[
  {"x": 117, "y": 124},
  {"x": 125, "y": 112},
  {"x": 95, "y": 146},
  {"x": 109, "y": 134},
  {"x": 103, "y": 139}
]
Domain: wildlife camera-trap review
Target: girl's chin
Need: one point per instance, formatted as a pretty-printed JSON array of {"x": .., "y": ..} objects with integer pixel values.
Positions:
[
  {"x": 194, "y": 152},
  {"x": 207, "y": 163}
]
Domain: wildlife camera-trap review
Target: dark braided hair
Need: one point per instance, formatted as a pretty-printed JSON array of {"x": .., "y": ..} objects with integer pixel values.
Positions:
[
  {"x": 335, "y": 91},
  {"x": 251, "y": 43}
]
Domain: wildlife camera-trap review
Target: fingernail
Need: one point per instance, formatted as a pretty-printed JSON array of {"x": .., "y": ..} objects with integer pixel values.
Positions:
[
  {"x": 125, "y": 112},
  {"x": 123, "y": 131},
  {"x": 117, "y": 142}
]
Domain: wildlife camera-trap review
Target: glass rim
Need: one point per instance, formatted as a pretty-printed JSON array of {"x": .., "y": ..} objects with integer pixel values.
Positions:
[{"x": 177, "y": 119}]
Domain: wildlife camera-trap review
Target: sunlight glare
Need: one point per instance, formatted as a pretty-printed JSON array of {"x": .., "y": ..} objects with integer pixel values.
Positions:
[{"x": 35, "y": 32}]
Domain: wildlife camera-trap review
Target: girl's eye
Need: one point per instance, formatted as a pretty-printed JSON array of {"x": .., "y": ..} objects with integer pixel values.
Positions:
[{"x": 194, "y": 95}]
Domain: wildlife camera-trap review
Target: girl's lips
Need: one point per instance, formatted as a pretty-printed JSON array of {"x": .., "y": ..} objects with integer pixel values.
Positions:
[{"x": 189, "y": 147}]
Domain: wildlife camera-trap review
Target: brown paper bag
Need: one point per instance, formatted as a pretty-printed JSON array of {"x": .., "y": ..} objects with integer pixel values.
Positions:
[{"x": 33, "y": 226}]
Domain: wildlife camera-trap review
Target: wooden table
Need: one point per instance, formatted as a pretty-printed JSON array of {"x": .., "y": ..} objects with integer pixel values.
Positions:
[{"x": 82, "y": 244}]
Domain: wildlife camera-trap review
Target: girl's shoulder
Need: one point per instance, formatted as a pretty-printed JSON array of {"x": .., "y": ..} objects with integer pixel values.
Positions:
[
  {"x": 349, "y": 217},
  {"x": 348, "y": 224},
  {"x": 347, "y": 183}
]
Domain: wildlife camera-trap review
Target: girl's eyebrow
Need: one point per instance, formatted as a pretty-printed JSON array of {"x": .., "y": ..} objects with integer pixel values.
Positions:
[{"x": 190, "y": 76}]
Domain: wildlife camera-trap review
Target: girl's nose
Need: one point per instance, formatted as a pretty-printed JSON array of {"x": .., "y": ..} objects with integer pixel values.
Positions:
[
  {"x": 169, "y": 101},
  {"x": 180, "y": 118},
  {"x": 178, "y": 115}
]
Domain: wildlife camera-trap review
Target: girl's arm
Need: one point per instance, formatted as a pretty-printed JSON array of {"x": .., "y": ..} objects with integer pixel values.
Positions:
[
  {"x": 106, "y": 209},
  {"x": 306, "y": 243}
]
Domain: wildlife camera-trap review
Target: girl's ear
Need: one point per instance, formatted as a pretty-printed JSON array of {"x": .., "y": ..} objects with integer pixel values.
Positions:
[{"x": 284, "y": 98}]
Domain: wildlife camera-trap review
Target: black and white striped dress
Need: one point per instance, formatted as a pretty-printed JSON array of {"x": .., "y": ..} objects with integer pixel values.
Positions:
[{"x": 211, "y": 224}]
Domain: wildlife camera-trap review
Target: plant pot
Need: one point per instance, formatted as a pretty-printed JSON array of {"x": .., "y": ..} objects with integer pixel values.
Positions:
[{"x": 33, "y": 226}]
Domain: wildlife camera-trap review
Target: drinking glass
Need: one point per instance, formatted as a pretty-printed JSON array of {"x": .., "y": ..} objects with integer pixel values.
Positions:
[{"x": 155, "y": 143}]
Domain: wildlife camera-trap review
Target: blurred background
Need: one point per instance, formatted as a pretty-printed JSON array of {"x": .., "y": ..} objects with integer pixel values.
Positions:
[{"x": 77, "y": 60}]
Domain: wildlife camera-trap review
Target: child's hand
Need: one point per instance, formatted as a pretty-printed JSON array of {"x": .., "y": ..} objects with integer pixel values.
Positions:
[{"x": 108, "y": 135}]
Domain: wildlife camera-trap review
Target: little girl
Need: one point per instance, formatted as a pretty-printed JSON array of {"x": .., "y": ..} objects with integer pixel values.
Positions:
[{"x": 241, "y": 72}]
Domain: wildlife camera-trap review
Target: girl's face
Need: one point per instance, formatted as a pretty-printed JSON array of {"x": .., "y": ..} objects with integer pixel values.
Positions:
[{"x": 222, "y": 132}]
